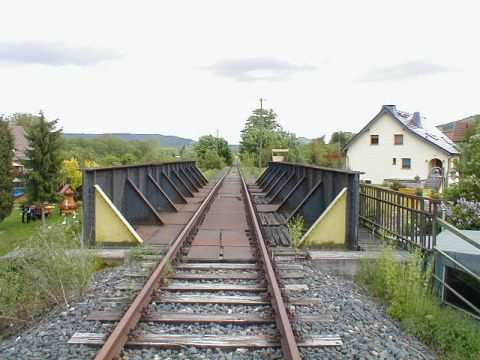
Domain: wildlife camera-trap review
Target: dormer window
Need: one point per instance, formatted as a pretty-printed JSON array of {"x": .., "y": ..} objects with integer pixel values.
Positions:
[
  {"x": 373, "y": 139},
  {"x": 398, "y": 139}
]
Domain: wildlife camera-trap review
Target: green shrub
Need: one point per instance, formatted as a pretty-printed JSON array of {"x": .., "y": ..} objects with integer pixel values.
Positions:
[
  {"x": 396, "y": 185},
  {"x": 406, "y": 288},
  {"x": 467, "y": 188},
  {"x": 211, "y": 160},
  {"x": 52, "y": 270},
  {"x": 465, "y": 215},
  {"x": 419, "y": 191},
  {"x": 295, "y": 228}
]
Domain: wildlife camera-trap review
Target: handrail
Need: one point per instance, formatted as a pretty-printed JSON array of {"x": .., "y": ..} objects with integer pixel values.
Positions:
[
  {"x": 456, "y": 293},
  {"x": 394, "y": 192},
  {"x": 457, "y": 232},
  {"x": 460, "y": 265}
]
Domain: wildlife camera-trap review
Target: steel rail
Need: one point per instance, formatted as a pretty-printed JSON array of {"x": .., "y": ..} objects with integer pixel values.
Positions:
[
  {"x": 119, "y": 336},
  {"x": 288, "y": 342}
]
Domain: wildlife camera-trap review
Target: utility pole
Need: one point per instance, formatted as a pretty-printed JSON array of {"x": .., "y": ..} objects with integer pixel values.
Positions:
[
  {"x": 216, "y": 143},
  {"x": 261, "y": 134}
]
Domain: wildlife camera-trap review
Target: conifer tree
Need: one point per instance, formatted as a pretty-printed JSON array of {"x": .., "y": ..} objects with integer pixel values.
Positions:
[
  {"x": 44, "y": 161},
  {"x": 6, "y": 175}
]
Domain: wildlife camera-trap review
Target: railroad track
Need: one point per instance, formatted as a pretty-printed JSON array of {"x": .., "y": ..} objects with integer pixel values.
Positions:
[{"x": 218, "y": 273}]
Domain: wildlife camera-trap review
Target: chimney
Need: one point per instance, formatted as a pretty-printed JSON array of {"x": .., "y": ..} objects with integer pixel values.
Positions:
[
  {"x": 416, "y": 119},
  {"x": 391, "y": 108}
]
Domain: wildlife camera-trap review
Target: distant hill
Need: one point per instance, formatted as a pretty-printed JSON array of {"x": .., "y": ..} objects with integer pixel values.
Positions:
[{"x": 165, "y": 140}]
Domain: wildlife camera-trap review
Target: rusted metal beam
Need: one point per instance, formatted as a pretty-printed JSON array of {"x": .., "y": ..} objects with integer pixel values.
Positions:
[
  {"x": 158, "y": 197},
  {"x": 199, "y": 173},
  {"x": 195, "y": 176},
  {"x": 119, "y": 336},
  {"x": 180, "y": 184},
  {"x": 268, "y": 180},
  {"x": 265, "y": 173},
  {"x": 274, "y": 181},
  {"x": 171, "y": 189},
  {"x": 137, "y": 208},
  {"x": 288, "y": 342},
  {"x": 187, "y": 180}
]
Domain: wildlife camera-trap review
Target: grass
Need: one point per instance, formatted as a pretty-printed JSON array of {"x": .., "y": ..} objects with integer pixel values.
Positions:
[
  {"x": 46, "y": 274},
  {"x": 295, "y": 229},
  {"x": 407, "y": 291},
  {"x": 14, "y": 235},
  {"x": 211, "y": 174},
  {"x": 252, "y": 173}
]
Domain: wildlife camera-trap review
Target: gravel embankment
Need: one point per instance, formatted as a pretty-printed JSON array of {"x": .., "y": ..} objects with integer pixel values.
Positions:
[{"x": 366, "y": 330}]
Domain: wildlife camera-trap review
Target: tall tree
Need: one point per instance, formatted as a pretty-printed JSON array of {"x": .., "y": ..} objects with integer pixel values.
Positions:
[
  {"x": 44, "y": 161},
  {"x": 263, "y": 123},
  {"x": 209, "y": 144},
  {"x": 341, "y": 138},
  {"x": 6, "y": 175}
]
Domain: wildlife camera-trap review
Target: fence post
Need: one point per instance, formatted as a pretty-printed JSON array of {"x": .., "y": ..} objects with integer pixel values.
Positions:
[{"x": 434, "y": 224}]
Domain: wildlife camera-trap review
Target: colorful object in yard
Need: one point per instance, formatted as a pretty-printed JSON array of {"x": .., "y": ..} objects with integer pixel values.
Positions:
[{"x": 68, "y": 205}]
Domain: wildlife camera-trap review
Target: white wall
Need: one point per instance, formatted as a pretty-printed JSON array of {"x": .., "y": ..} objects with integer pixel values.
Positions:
[{"x": 376, "y": 160}]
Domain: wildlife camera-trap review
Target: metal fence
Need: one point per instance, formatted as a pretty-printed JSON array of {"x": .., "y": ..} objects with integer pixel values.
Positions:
[{"x": 403, "y": 217}]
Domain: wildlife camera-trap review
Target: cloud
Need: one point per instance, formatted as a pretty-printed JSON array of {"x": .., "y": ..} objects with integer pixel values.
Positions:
[
  {"x": 404, "y": 70},
  {"x": 52, "y": 53},
  {"x": 258, "y": 69}
]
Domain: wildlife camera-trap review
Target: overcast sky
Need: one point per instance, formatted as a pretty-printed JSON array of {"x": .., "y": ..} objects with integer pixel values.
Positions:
[{"x": 187, "y": 68}]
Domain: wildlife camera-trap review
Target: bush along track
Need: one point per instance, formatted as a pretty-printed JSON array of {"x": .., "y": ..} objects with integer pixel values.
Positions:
[
  {"x": 407, "y": 291},
  {"x": 52, "y": 269}
]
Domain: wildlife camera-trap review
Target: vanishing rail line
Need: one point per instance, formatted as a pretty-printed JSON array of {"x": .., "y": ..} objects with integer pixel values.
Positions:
[{"x": 219, "y": 259}]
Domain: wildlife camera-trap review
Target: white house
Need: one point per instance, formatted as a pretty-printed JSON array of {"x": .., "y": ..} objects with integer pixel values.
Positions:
[{"x": 396, "y": 145}]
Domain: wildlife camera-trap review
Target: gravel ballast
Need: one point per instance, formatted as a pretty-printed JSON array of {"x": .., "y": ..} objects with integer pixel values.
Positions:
[{"x": 365, "y": 328}]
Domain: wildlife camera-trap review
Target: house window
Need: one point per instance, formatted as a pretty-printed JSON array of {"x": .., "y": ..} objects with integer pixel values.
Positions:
[
  {"x": 398, "y": 139},
  {"x": 394, "y": 161},
  {"x": 406, "y": 163},
  {"x": 373, "y": 139}
]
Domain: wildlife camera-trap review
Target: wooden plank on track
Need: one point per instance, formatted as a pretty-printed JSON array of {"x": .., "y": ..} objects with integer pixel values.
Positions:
[
  {"x": 220, "y": 276},
  {"x": 289, "y": 267},
  {"x": 218, "y": 266},
  {"x": 292, "y": 275},
  {"x": 180, "y": 340},
  {"x": 303, "y": 301},
  {"x": 137, "y": 275},
  {"x": 321, "y": 341},
  {"x": 213, "y": 287},
  {"x": 188, "y": 317},
  {"x": 210, "y": 299},
  {"x": 207, "y": 341},
  {"x": 220, "y": 318}
]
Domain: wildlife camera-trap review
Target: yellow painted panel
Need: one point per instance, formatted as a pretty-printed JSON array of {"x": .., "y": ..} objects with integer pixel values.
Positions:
[
  {"x": 330, "y": 227},
  {"x": 110, "y": 225},
  {"x": 407, "y": 191}
]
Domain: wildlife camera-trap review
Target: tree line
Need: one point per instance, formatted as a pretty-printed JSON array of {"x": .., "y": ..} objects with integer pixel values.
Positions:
[
  {"x": 262, "y": 125},
  {"x": 54, "y": 160}
]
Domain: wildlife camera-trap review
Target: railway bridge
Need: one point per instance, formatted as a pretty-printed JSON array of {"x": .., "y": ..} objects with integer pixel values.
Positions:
[{"x": 224, "y": 243}]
